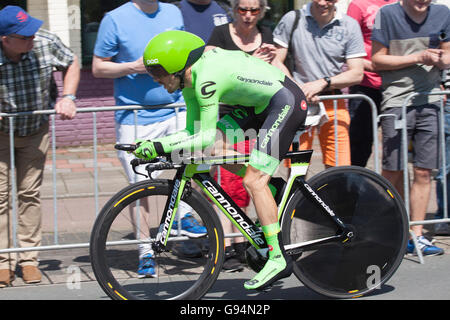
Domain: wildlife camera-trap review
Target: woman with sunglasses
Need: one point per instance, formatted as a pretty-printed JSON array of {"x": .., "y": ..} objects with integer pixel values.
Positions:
[{"x": 246, "y": 35}]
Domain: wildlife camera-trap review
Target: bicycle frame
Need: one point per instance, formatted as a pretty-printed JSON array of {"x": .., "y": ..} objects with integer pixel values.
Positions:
[{"x": 199, "y": 173}]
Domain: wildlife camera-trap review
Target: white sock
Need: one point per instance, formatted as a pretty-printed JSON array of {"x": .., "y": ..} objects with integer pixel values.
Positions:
[{"x": 145, "y": 248}]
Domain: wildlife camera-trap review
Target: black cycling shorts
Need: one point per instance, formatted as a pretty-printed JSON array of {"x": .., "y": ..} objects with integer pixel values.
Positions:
[{"x": 274, "y": 128}]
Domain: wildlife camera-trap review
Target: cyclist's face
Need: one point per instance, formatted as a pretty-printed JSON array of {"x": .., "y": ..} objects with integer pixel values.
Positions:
[
  {"x": 160, "y": 75},
  {"x": 169, "y": 82}
]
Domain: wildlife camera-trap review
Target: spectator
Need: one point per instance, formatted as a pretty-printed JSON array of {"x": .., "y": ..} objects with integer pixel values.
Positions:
[
  {"x": 28, "y": 55},
  {"x": 123, "y": 34},
  {"x": 443, "y": 228},
  {"x": 242, "y": 34},
  {"x": 201, "y": 16},
  {"x": 324, "y": 40},
  {"x": 361, "y": 128},
  {"x": 408, "y": 55}
]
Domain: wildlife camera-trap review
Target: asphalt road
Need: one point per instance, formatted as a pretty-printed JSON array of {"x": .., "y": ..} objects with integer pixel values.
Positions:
[{"x": 412, "y": 281}]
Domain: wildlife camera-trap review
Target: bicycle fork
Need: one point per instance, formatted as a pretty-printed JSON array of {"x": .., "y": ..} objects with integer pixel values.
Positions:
[{"x": 170, "y": 210}]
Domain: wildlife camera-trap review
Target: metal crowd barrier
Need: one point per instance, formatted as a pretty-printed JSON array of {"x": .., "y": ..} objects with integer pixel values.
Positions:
[
  {"x": 441, "y": 150},
  {"x": 94, "y": 111}
]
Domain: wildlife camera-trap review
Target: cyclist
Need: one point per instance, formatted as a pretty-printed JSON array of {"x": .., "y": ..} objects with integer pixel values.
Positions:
[{"x": 266, "y": 100}]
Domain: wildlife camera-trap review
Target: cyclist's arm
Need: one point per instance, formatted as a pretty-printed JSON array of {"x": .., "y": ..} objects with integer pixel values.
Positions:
[{"x": 200, "y": 129}]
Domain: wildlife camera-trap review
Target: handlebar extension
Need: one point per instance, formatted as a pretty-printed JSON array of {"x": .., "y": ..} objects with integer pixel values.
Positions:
[{"x": 125, "y": 147}]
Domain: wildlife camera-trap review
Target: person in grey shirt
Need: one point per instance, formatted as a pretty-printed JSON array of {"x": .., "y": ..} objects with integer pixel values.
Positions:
[
  {"x": 410, "y": 43},
  {"x": 325, "y": 39}
]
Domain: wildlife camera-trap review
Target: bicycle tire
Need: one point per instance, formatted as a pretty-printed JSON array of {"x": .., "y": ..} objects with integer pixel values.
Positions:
[
  {"x": 378, "y": 218},
  {"x": 179, "y": 277}
]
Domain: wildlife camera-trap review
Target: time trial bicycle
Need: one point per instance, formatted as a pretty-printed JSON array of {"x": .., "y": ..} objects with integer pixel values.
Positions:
[{"x": 346, "y": 230}]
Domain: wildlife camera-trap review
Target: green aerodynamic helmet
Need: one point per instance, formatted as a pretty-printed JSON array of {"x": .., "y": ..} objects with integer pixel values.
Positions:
[{"x": 172, "y": 52}]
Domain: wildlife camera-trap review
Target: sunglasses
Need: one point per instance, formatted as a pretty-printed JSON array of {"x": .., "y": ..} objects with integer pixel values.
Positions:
[
  {"x": 156, "y": 71},
  {"x": 253, "y": 11},
  {"x": 21, "y": 37}
]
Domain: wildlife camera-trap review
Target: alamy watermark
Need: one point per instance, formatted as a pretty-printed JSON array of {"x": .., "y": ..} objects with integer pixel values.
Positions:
[
  {"x": 73, "y": 281},
  {"x": 374, "y": 277}
]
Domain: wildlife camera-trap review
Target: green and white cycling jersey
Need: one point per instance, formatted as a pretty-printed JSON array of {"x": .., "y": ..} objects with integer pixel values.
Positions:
[{"x": 265, "y": 100}]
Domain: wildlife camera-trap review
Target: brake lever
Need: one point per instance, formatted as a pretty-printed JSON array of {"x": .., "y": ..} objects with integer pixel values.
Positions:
[{"x": 136, "y": 162}]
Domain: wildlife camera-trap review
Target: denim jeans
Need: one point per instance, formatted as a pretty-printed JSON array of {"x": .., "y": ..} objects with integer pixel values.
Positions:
[{"x": 440, "y": 176}]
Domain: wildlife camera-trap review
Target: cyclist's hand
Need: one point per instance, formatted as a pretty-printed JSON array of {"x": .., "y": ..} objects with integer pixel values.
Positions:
[{"x": 145, "y": 150}]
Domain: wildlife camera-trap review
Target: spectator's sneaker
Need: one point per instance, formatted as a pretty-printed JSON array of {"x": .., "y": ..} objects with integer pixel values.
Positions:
[
  {"x": 427, "y": 248},
  {"x": 147, "y": 266},
  {"x": 189, "y": 227}
]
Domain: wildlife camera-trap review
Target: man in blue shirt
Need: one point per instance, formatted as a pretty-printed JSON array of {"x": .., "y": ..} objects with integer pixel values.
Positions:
[{"x": 124, "y": 32}]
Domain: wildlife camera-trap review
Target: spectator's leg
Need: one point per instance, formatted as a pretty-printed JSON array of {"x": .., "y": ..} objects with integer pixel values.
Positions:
[
  {"x": 396, "y": 178},
  {"x": 392, "y": 160},
  {"x": 327, "y": 135},
  {"x": 419, "y": 198},
  {"x": 361, "y": 124},
  {"x": 31, "y": 152},
  {"x": 7, "y": 261}
]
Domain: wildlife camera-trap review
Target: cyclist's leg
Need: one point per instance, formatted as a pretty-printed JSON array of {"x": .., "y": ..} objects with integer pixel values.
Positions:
[
  {"x": 278, "y": 266},
  {"x": 234, "y": 129},
  {"x": 283, "y": 117}
]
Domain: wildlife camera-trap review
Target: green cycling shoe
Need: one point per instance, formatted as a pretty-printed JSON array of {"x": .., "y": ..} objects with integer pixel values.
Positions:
[{"x": 277, "y": 267}]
